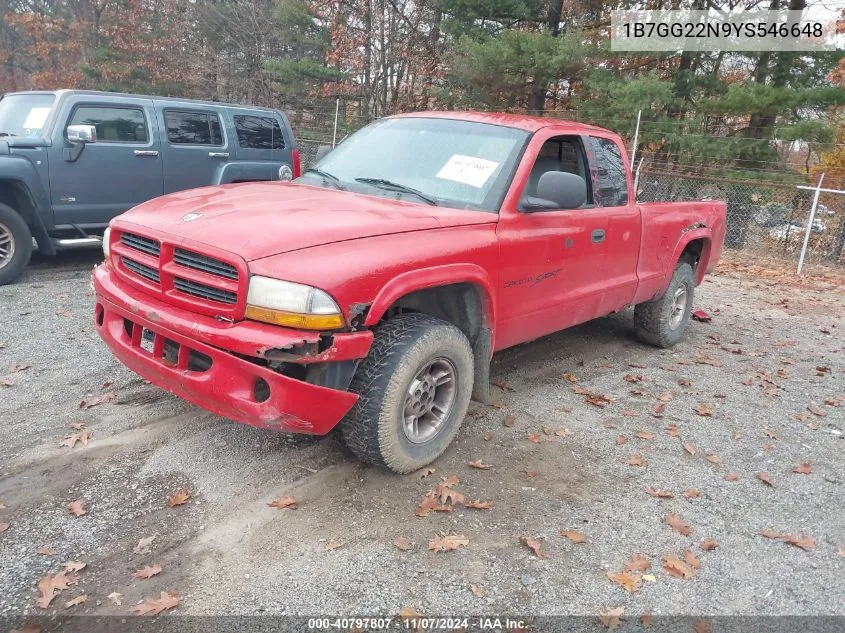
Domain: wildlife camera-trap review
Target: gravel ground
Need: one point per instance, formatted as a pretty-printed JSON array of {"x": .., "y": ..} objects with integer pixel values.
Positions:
[{"x": 770, "y": 367}]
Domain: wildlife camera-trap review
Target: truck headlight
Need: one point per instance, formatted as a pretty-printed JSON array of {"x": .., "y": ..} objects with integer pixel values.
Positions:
[
  {"x": 291, "y": 305},
  {"x": 106, "y": 235}
]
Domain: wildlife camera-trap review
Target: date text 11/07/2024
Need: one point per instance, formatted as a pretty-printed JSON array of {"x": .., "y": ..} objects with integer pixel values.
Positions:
[{"x": 418, "y": 623}]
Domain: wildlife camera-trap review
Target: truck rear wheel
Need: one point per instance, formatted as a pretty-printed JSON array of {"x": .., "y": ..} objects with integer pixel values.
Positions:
[
  {"x": 662, "y": 322},
  {"x": 15, "y": 244},
  {"x": 414, "y": 388}
]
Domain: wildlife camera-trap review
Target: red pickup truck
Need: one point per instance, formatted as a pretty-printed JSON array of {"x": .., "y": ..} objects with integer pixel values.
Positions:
[{"x": 373, "y": 291}]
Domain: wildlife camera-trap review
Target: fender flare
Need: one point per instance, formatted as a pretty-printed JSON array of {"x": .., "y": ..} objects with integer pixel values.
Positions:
[
  {"x": 20, "y": 174},
  {"x": 448, "y": 274}
]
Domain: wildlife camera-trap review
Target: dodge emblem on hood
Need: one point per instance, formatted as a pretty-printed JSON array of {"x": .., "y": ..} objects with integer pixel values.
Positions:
[{"x": 191, "y": 216}]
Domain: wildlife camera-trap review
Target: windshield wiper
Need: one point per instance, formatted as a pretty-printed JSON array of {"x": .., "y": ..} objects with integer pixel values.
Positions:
[
  {"x": 395, "y": 186},
  {"x": 326, "y": 176}
]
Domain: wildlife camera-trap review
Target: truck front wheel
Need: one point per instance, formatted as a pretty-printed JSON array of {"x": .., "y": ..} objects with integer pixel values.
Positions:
[
  {"x": 414, "y": 388},
  {"x": 662, "y": 322},
  {"x": 15, "y": 244}
]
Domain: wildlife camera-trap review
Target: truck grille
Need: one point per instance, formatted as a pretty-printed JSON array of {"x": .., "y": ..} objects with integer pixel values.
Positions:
[
  {"x": 205, "y": 264},
  {"x": 140, "y": 269},
  {"x": 204, "y": 292},
  {"x": 143, "y": 244}
]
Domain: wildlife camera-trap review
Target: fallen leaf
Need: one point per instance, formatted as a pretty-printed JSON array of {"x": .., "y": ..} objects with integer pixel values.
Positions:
[
  {"x": 674, "y": 566},
  {"x": 535, "y": 437},
  {"x": 771, "y": 534},
  {"x": 658, "y": 409},
  {"x": 93, "y": 401},
  {"x": 731, "y": 476},
  {"x": 672, "y": 430},
  {"x": 713, "y": 459},
  {"x": 709, "y": 544},
  {"x": 770, "y": 434},
  {"x": 501, "y": 385},
  {"x": 637, "y": 460},
  {"x": 705, "y": 410},
  {"x": 692, "y": 493},
  {"x": 804, "y": 542},
  {"x": 76, "y": 426},
  {"x": 701, "y": 626},
  {"x": 689, "y": 448},
  {"x": 447, "y": 543},
  {"x": 631, "y": 413},
  {"x": 477, "y": 591},
  {"x": 510, "y": 420},
  {"x": 50, "y": 585},
  {"x": 180, "y": 497},
  {"x": 3, "y": 527},
  {"x": 534, "y": 544},
  {"x": 71, "y": 440},
  {"x": 646, "y": 620},
  {"x": 147, "y": 572},
  {"x": 612, "y": 618},
  {"x": 46, "y": 551},
  {"x": 680, "y": 526},
  {"x": 77, "y": 508},
  {"x": 333, "y": 545},
  {"x": 143, "y": 546},
  {"x": 816, "y": 411},
  {"x": 487, "y": 436},
  {"x": 803, "y": 469},
  {"x": 407, "y": 613},
  {"x": 659, "y": 493},
  {"x": 691, "y": 560},
  {"x": 627, "y": 580},
  {"x": 598, "y": 400},
  {"x": 6, "y": 382},
  {"x": 621, "y": 440},
  {"x": 17, "y": 367},
  {"x": 402, "y": 543},
  {"x": 154, "y": 606},
  {"x": 478, "y": 504},
  {"x": 76, "y": 601},
  {"x": 568, "y": 376},
  {"x": 633, "y": 378},
  {"x": 574, "y": 535},
  {"x": 425, "y": 472},
  {"x": 703, "y": 359},
  {"x": 116, "y": 598},
  {"x": 683, "y": 382},
  {"x": 73, "y": 566},
  {"x": 638, "y": 563},
  {"x": 643, "y": 435},
  {"x": 479, "y": 464},
  {"x": 765, "y": 478}
]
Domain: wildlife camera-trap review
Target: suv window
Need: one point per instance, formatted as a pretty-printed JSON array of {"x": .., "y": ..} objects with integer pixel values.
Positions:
[
  {"x": 114, "y": 124},
  {"x": 612, "y": 177},
  {"x": 258, "y": 132},
  {"x": 192, "y": 128}
]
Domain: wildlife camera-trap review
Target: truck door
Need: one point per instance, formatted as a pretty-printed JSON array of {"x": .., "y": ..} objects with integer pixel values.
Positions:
[
  {"x": 614, "y": 194},
  {"x": 195, "y": 148},
  {"x": 552, "y": 261},
  {"x": 121, "y": 169}
]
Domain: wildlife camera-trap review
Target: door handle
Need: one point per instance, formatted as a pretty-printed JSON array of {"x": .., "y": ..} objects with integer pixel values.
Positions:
[
  {"x": 146, "y": 152},
  {"x": 598, "y": 236},
  {"x": 218, "y": 154}
]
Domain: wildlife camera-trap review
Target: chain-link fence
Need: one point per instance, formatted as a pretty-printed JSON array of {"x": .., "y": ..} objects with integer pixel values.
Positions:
[{"x": 765, "y": 217}]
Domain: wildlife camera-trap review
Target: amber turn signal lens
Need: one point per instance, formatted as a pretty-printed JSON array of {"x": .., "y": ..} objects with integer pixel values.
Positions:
[{"x": 294, "y": 320}]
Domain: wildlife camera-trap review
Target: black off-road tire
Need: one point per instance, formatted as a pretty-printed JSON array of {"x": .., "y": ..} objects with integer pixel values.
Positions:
[
  {"x": 404, "y": 345},
  {"x": 15, "y": 226},
  {"x": 654, "y": 318}
]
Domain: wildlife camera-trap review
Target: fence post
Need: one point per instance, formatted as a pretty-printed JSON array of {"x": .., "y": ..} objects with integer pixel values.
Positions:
[
  {"x": 336, "y": 112},
  {"x": 810, "y": 223},
  {"x": 637, "y": 178},
  {"x": 636, "y": 138}
]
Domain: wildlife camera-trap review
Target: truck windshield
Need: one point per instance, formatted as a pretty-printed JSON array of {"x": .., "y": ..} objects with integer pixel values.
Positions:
[
  {"x": 25, "y": 114},
  {"x": 447, "y": 162}
]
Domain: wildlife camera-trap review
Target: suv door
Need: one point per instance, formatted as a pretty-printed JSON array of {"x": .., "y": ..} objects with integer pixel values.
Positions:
[
  {"x": 118, "y": 171},
  {"x": 195, "y": 147},
  {"x": 263, "y": 144}
]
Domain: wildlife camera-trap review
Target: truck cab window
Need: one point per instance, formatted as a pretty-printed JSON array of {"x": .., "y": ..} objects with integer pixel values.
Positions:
[
  {"x": 612, "y": 179},
  {"x": 562, "y": 153},
  {"x": 114, "y": 125}
]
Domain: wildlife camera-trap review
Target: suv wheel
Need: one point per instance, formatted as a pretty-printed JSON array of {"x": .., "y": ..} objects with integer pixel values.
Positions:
[
  {"x": 414, "y": 388},
  {"x": 15, "y": 244},
  {"x": 662, "y": 322}
]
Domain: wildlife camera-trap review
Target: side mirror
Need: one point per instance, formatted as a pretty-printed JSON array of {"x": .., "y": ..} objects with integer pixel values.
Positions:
[
  {"x": 322, "y": 150},
  {"x": 565, "y": 190},
  {"x": 82, "y": 134}
]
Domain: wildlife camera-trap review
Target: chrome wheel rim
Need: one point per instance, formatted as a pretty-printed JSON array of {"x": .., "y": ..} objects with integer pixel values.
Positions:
[
  {"x": 429, "y": 400},
  {"x": 7, "y": 246},
  {"x": 679, "y": 307}
]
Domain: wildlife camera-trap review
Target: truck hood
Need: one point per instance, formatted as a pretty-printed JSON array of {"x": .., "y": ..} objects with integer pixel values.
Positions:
[{"x": 256, "y": 220}]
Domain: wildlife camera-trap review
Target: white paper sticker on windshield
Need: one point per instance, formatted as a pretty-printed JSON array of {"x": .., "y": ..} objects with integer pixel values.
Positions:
[
  {"x": 468, "y": 170},
  {"x": 36, "y": 118}
]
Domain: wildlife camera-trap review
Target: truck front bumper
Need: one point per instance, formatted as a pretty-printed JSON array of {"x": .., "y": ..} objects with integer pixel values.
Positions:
[{"x": 192, "y": 357}]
